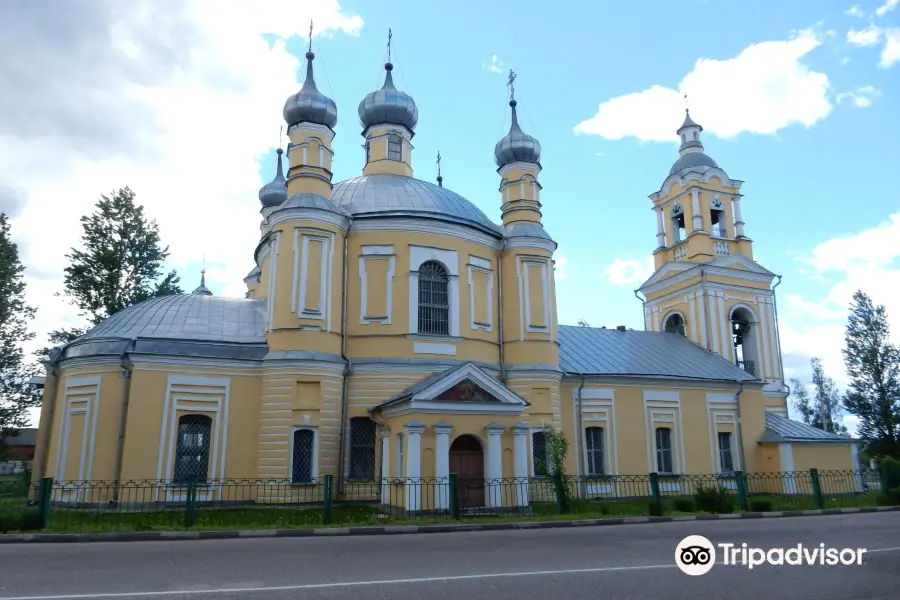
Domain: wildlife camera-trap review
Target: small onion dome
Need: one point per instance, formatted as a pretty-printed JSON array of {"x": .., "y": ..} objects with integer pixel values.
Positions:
[
  {"x": 388, "y": 105},
  {"x": 309, "y": 105},
  {"x": 516, "y": 146},
  {"x": 274, "y": 192}
]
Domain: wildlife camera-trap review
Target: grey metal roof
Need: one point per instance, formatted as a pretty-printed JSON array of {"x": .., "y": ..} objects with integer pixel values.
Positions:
[
  {"x": 309, "y": 105},
  {"x": 385, "y": 195},
  {"x": 523, "y": 229},
  {"x": 688, "y": 121},
  {"x": 594, "y": 351},
  {"x": 309, "y": 200},
  {"x": 274, "y": 192},
  {"x": 516, "y": 146},
  {"x": 388, "y": 105},
  {"x": 783, "y": 430},
  {"x": 693, "y": 161},
  {"x": 186, "y": 317}
]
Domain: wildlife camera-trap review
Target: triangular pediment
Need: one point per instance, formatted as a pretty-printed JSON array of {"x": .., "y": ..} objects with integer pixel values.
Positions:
[
  {"x": 667, "y": 270},
  {"x": 739, "y": 261}
]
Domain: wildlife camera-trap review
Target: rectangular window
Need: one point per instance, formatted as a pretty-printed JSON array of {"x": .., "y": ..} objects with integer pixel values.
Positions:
[
  {"x": 539, "y": 464},
  {"x": 303, "y": 456},
  {"x": 192, "y": 449},
  {"x": 362, "y": 448},
  {"x": 395, "y": 147},
  {"x": 398, "y": 468},
  {"x": 664, "y": 450},
  {"x": 593, "y": 444},
  {"x": 726, "y": 460}
]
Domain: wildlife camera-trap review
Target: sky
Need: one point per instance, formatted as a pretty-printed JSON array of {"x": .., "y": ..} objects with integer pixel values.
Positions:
[{"x": 182, "y": 99}]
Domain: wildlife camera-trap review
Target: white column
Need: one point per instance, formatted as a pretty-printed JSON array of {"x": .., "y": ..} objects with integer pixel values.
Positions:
[
  {"x": 520, "y": 462},
  {"x": 697, "y": 217},
  {"x": 386, "y": 465},
  {"x": 786, "y": 456},
  {"x": 660, "y": 228},
  {"x": 442, "y": 465},
  {"x": 494, "y": 465},
  {"x": 854, "y": 464},
  {"x": 413, "y": 455},
  {"x": 738, "y": 221}
]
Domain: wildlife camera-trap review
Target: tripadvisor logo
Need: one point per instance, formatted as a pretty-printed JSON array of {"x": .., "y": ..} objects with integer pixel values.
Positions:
[{"x": 696, "y": 555}]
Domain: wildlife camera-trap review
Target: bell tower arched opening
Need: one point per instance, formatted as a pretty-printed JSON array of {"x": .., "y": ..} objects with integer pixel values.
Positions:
[
  {"x": 675, "y": 323},
  {"x": 744, "y": 339}
]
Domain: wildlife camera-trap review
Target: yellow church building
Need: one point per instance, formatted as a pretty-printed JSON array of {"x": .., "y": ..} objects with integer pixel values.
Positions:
[{"x": 391, "y": 332}]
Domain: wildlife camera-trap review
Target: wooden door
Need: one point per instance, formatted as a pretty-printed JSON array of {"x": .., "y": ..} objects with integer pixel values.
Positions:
[{"x": 467, "y": 461}]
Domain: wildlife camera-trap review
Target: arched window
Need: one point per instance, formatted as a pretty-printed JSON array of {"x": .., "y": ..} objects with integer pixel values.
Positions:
[
  {"x": 744, "y": 338},
  {"x": 192, "y": 449},
  {"x": 675, "y": 324},
  {"x": 678, "y": 228},
  {"x": 664, "y": 450},
  {"x": 395, "y": 147},
  {"x": 303, "y": 456},
  {"x": 434, "y": 299},
  {"x": 593, "y": 446},
  {"x": 362, "y": 448}
]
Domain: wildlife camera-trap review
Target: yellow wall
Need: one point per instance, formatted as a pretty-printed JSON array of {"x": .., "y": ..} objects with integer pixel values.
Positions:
[{"x": 824, "y": 457}]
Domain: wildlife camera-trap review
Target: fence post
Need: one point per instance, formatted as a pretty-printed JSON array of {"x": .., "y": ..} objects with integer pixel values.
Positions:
[
  {"x": 190, "y": 504},
  {"x": 45, "y": 495},
  {"x": 656, "y": 508},
  {"x": 454, "y": 496},
  {"x": 742, "y": 490},
  {"x": 816, "y": 488},
  {"x": 885, "y": 478},
  {"x": 329, "y": 499}
]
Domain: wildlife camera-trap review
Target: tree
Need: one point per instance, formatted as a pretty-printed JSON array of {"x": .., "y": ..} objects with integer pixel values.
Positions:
[
  {"x": 801, "y": 401},
  {"x": 17, "y": 394},
  {"x": 827, "y": 401},
  {"x": 119, "y": 264},
  {"x": 873, "y": 364},
  {"x": 583, "y": 323}
]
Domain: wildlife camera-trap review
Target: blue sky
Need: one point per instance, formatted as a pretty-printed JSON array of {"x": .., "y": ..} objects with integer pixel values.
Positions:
[{"x": 795, "y": 97}]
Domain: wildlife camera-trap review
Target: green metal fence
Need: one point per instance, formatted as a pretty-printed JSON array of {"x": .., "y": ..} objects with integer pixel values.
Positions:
[{"x": 271, "y": 503}]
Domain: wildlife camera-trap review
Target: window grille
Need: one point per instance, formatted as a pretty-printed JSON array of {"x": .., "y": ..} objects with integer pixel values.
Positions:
[
  {"x": 395, "y": 147},
  {"x": 539, "y": 453},
  {"x": 302, "y": 459},
  {"x": 192, "y": 449},
  {"x": 362, "y": 448},
  {"x": 593, "y": 443},
  {"x": 434, "y": 299},
  {"x": 726, "y": 460},
  {"x": 664, "y": 450}
]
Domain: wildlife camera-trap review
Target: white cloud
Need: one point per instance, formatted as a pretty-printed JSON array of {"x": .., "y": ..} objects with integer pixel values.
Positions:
[
  {"x": 860, "y": 97},
  {"x": 626, "y": 272},
  {"x": 855, "y": 11},
  {"x": 845, "y": 60},
  {"x": 495, "y": 66},
  {"x": 178, "y": 100},
  {"x": 870, "y": 36},
  {"x": 777, "y": 89},
  {"x": 890, "y": 53},
  {"x": 887, "y": 7},
  {"x": 560, "y": 264}
]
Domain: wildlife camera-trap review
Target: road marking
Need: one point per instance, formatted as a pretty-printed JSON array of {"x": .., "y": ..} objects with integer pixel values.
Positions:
[{"x": 319, "y": 586}]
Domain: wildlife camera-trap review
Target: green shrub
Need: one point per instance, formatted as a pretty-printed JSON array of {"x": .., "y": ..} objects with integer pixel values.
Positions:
[
  {"x": 762, "y": 504},
  {"x": 656, "y": 508},
  {"x": 684, "y": 505},
  {"x": 714, "y": 499},
  {"x": 18, "y": 518}
]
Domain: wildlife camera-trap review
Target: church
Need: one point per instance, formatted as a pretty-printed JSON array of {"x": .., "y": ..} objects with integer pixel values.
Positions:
[{"x": 392, "y": 333}]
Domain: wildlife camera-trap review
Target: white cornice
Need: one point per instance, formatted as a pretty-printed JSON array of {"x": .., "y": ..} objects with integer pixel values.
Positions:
[
  {"x": 429, "y": 226},
  {"x": 519, "y": 165},
  {"x": 660, "y": 382},
  {"x": 401, "y": 129},
  {"x": 195, "y": 362},
  {"x": 310, "y": 127},
  {"x": 694, "y": 176},
  {"x": 309, "y": 214},
  {"x": 67, "y": 364},
  {"x": 658, "y": 282},
  {"x": 532, "y": 243}
]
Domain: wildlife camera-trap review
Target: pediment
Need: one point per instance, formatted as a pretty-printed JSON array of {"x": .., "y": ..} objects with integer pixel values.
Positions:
[
  {"x": 466, "y": 391},
  {"x": 739, "y": 261},
  {"x": 667, "y": 270}
]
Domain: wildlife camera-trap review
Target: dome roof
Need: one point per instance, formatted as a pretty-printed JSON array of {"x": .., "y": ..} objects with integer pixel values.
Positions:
[
  {"x": 274, "y": 192},
  {"x": 315, "y": 201},
  {"x": 516, "y": 146},
  {"x": 388, "y": 105},
  {"x": 309, "y": 105},
  {"x": 383, "y": 195},
  {"x": 693, "y": 161}
]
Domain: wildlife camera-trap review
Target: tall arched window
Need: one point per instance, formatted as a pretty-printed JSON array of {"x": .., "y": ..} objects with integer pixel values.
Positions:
[
  {"x": 192, "y": 449},
  {"x": 434, "y": 299},
  {"x": 303, "y": 456},
  {"x": 675, "y": 324},
  {"x": 395, "y": 147},
  {"x": 593, "y": 445}
]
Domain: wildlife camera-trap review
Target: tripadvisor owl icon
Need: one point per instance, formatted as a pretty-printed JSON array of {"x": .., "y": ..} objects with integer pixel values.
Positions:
[{"x": 695, "y": 555}]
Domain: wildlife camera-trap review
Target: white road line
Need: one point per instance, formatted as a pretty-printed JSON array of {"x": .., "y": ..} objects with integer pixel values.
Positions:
[{"x": 318, "y": 586}]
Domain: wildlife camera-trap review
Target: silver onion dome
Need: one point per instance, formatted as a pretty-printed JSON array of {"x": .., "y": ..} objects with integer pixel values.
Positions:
[
  {"x": 274, "y": 193},
  {"x": 388, "y": 105},
  {"x": 516, "y": 146},
  {"x": 309, "y": 105}
]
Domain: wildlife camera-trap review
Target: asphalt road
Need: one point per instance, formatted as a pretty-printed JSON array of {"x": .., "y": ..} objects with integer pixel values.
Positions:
[{"x": 612, "y": 562}]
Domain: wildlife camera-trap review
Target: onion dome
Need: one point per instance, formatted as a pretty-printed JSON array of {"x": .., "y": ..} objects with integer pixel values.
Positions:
[
  {"x": 388, "y": 105},
  {"x": 309, "y": 105},
  {"x": 275, "y": 192},
  {"x": 516, "y": 146}
]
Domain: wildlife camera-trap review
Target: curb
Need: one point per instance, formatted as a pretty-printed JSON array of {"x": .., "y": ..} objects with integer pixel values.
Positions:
[{"x": 149, "y": 536}]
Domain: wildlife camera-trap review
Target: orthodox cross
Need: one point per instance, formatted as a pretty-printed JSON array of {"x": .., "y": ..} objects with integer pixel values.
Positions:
[
  {"x": 390, "y": 35},
  {"x": 280, "y": 129},
  {"x": 686, "y": 105},
  {"x": 310, "y": 34},
  {"x": 439, "y": 163},
  {"x": 511, "y": 84}
]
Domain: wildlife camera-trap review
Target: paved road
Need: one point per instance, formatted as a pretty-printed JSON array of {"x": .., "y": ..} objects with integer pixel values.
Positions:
[{"x": 613, "y": 562}]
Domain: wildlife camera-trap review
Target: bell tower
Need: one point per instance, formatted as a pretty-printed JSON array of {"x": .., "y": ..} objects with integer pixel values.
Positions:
[{"x": 707, "y": 285}]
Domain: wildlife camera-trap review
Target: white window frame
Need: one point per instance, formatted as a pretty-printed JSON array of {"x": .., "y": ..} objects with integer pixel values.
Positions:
[
  {"x": 315, "y": 456},
  {"x": 450, "y": 260},
  {"x": 399, "y": 462},
  {"x": 730, "y": 449},
  {"x": 588, "y": 451},
  {"x": 670, "y": 449}
]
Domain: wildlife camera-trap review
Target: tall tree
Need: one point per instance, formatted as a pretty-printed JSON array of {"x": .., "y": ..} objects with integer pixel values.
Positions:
[
  {"x": 873, "y": 364},
  {"x": 801, "y": 401},
  {"x": 828, "y": 413},
  {"x": 17, "y": 395},
  {"x": 119, "y": 263}
]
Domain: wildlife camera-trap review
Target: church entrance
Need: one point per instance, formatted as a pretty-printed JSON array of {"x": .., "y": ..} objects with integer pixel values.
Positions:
[{"x": 467, "y": 462}]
